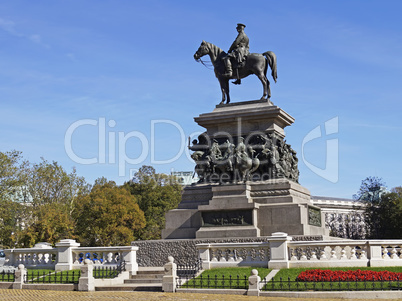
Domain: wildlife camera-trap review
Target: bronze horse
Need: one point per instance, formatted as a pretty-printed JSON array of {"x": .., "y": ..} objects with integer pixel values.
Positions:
[{"x": 255, "y": 64}]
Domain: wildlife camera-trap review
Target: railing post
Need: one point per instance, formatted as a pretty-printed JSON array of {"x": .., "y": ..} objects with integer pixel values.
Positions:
[
  {"x": 129, "y": 255},
  {"x": 254, "y": 283},
  {"x": 203, "y": 253},
  {"x": 375, "y": 253},
  {"x": 87, "y": 281},
  {"x": 170, "y": 277},
  {"x": 278, "y": 244},
  {"x": 19, "y": 277},
  {"x": 10, "y": 257},
  {"x": 65, "y": 255}
]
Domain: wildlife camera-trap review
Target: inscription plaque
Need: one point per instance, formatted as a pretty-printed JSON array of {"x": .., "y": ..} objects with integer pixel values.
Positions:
[{"x": 227, "y": 218}]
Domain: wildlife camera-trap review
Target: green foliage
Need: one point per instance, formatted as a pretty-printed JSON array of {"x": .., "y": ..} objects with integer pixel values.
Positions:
[
  {"x": 12, "y": 169},
  {"x": 108, "y": 216},
  {"x": 371, "y": 189},
  {"x": 156, "y": 194},
  {"x": 41, "y": 202},
  {"x": 51, "y": 224},
  {"x": 384, "y": 217},
  {"x": 12, "y": 212},
  {"x": 36, "y": 201}
]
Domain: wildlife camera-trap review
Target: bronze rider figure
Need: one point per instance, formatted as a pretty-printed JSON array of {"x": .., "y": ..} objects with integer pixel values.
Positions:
[{"x": 238, "y": 51}]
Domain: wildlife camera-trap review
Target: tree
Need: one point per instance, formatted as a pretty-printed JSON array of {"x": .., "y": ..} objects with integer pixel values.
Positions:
[
  {"x": 384, "y": 217},
  {"x": 108, "y": 216},
  {"x": 156, "y": 195},
  {"x": 12, "y": 212},
  {"x": 371, "y": 189},
  {"x": 36, "y": 200},
  {"x": 50, "y": 224},
  {"x": 383, "y": 209},
  {"x": 49, "y": 183}
]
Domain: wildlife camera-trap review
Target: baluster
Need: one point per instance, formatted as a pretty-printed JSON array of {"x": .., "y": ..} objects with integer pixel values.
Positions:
[
  {"x": 394, "y": 253},
  {"x": 266, "y": 258},
  {"x": 322, "y": 255},
  {"x": 222, "y": 254},
  {"x": 40, "y": 259},
  {"x": 213, "y": 255},
  {"x": 362, "y": 254},
  {"x": 239, "y": 255},
  {"x": 333, "y": 254},
  {"x": 303, "y": 256},
  {"x": 385, "y": 253},
  {"x": 343, "y": 254},
  {"x": 293, "y": 253},
  {"x": 313, "y": 256},
  {"x": 231, "y": 255},
  {"x": 109, "y": 257},
  {"x": 353, "y": 254},
  {"x": 261, "y": 253}
]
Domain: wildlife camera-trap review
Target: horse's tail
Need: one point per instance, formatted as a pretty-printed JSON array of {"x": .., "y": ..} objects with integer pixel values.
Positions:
[{"x": 271, "y": 58}]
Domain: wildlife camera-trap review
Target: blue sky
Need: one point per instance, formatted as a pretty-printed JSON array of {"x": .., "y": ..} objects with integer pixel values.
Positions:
[{"x": 129, "y": 65}]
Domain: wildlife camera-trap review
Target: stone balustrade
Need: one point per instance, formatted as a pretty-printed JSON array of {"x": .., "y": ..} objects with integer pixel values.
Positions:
[
  {"x": 42, "y": 255},
  {"x": 346, "y": 253},
  {"x": 68, "y": 255},
  {"x": 234, "y": 254},
  {"x": 281, "y": 252}
]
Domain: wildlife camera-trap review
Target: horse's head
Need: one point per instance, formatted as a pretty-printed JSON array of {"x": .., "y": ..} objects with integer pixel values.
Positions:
[{"x": 203, "y": 50}]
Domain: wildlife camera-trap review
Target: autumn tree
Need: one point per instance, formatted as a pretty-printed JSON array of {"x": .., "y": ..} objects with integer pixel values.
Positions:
[
  {"x": 108, "y": 216},
  {"x": 156, "y": 195},
  {"x": 12, "y": 211}
]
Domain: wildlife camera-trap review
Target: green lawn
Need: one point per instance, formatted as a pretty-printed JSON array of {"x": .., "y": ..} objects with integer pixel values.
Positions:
[
  {"x": 224, "y": 278},
  {"x": 6, "y": 277},
  {"x": 50, "y": 276}
]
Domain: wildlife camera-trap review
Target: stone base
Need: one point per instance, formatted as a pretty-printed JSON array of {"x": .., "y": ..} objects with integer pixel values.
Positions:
[
  {"x": 234, "y": 231},
  {"x": 278, "y": 205}
]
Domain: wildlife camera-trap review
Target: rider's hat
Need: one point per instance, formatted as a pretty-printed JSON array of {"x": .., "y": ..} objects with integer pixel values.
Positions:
[{"x": 240, "y": 25}]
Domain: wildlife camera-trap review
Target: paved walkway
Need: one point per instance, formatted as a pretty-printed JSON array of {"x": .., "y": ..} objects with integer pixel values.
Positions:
[{"x": 36, "y": 295}]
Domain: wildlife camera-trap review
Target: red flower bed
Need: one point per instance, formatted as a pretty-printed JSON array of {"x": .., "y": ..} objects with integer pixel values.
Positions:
[{"x": 358, "y": 275}]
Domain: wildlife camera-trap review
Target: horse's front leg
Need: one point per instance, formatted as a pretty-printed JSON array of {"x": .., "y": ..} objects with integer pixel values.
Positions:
[
  {"x": 225, "y": 90},
  {"x": 227, "y": 94},
  {"x": 223, "y": 96}
]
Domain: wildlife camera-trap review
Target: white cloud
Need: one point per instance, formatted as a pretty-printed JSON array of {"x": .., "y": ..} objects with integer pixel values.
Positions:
[{"x": 9, "y": 26}]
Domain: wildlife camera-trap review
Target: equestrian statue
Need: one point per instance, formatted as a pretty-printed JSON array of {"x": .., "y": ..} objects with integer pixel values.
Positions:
[{"x": 239, "y": 63}]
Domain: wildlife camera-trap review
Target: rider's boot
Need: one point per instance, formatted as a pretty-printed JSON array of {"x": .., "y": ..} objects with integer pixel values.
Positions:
[{"x": 228, "y": 66}]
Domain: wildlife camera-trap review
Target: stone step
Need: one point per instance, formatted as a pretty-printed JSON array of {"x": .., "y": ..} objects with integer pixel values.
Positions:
[
  {"x": 150, "y": 270},
  {"x": 151, "y": 287},
  {"x": 147, "y": 276},
  {"x": 144, "y": 280}
]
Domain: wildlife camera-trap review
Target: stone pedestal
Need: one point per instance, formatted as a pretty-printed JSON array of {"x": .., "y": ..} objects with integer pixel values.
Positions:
[
  {"x": 249, "y": 179},
  {"x": 87, "y": 281},
  {"x": 252, "y": 209},
  {"x": 170, "y": 278},
  {"x": 65, "y": 257},
  {"x": 243, "y": 118}
]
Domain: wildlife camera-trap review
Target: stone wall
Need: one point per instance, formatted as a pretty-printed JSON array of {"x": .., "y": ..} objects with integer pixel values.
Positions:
[{"x": 184, "y": 251}]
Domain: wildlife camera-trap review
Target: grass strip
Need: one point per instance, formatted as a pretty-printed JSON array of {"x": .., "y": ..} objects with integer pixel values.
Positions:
[{"x": 224, "y": 278}]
